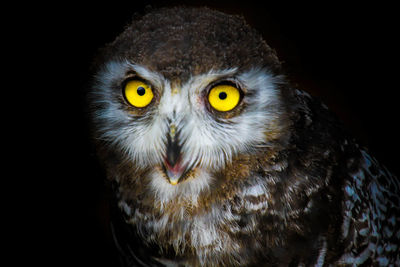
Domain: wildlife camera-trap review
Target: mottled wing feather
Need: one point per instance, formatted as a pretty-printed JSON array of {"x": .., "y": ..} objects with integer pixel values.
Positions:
[{"x": 371, "y": 225}]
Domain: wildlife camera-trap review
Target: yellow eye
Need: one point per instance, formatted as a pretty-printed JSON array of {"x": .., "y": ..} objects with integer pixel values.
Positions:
[
  {"x": 138, "y": 93},
  {"x": 224, "y": 97}
]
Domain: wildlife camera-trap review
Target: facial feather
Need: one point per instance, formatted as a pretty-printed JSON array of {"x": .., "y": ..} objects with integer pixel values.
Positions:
[{"x": 208, "y": 143}]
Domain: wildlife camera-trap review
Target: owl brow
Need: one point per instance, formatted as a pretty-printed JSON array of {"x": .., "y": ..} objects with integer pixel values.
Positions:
[
  {"x": 219, "y": 78},
  {"x": 154, "y": 78},
  {"x": 226, "y": 80},
  {"x": 132, "y": 75}
]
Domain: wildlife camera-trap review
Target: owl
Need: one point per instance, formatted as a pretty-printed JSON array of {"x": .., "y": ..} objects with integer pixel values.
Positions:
[{"x": 216, "y": 159}]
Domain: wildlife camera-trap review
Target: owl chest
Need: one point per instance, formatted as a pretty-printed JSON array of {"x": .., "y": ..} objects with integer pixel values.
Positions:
[
  {"x": 222, "y": 231},
  {"x": 181, "y": 229},
  {"x": 209, "y": 235}
]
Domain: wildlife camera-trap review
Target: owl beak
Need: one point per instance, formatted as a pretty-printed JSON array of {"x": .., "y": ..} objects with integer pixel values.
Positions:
[{"x": 173, "y": 167}]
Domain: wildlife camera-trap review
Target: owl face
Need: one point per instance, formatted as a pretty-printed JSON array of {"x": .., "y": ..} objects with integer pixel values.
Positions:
[
  {"x": 176, "y": 102},
  {"x": 184, "y": 132}
]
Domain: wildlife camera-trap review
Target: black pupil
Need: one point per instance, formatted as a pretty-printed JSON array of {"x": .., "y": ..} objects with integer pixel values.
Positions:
[
  {"x": 141, "y": 91},
  {"x": 222, "y": 95}
]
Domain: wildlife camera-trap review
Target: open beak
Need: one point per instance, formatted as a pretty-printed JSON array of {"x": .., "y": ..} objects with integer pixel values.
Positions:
[{"x": 174, "y": 168}]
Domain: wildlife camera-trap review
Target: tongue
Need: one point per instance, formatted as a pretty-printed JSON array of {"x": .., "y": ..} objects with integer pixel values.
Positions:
[{"x": 175, "y": 172}]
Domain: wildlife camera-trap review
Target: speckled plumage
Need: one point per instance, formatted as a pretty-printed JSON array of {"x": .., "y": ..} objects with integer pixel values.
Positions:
[{"x": 274, "y": 182}]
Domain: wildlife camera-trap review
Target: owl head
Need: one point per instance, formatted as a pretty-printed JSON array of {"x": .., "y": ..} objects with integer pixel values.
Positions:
[{"x": 185, "y": 98}]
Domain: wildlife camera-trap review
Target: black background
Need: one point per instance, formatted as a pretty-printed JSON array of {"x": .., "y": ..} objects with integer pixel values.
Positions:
[{"x": 347, "y": 55}]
